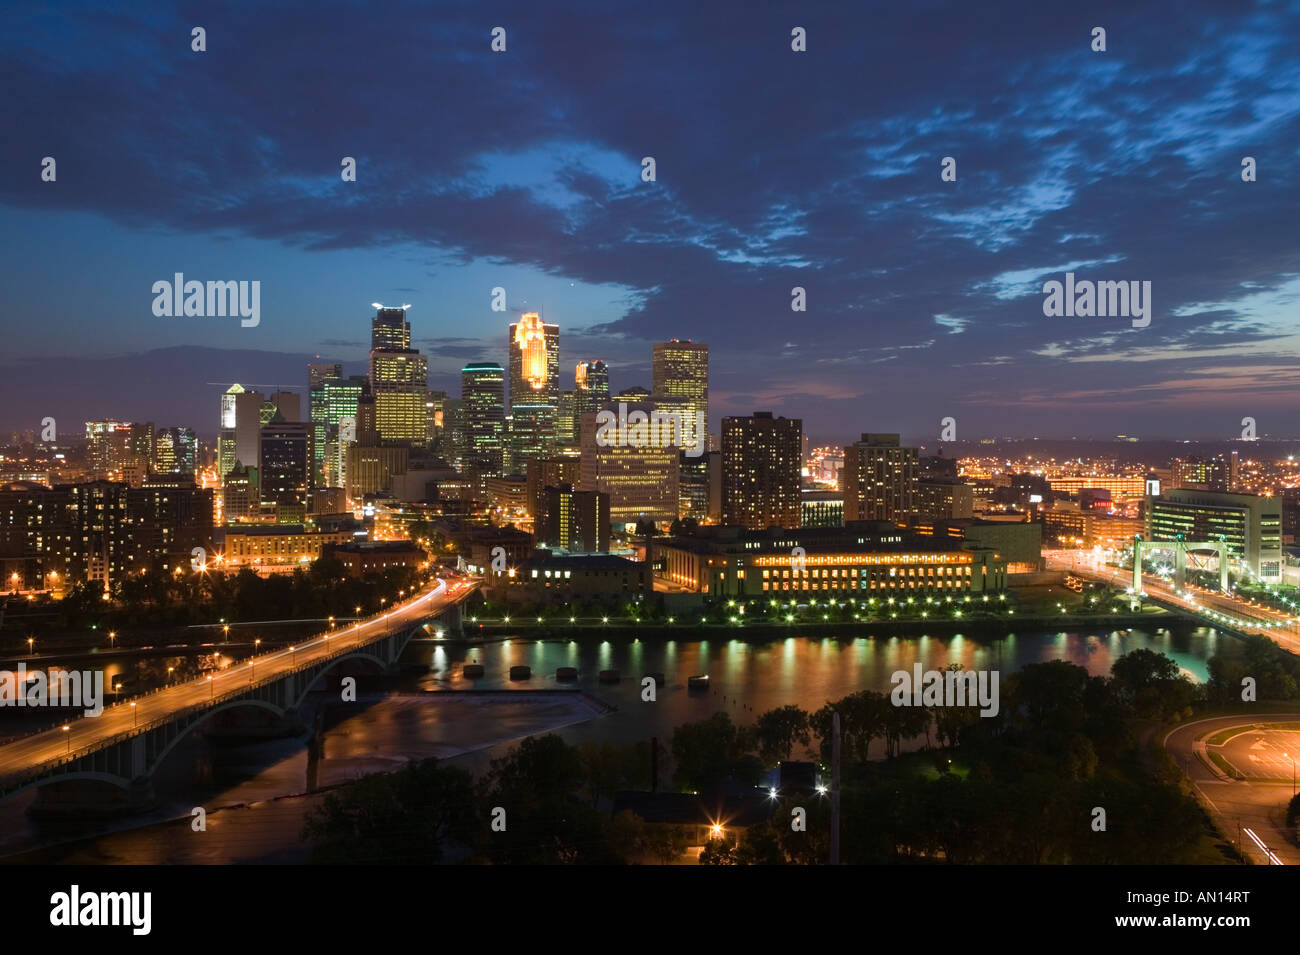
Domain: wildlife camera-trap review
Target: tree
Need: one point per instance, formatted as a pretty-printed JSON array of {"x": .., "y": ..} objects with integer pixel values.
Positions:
[
  {"x": 710, "y": 750},
  {"x": 537, "y": 785},
  {"x": 408, "y": 817},
  {"x": 778, "y": 730}
]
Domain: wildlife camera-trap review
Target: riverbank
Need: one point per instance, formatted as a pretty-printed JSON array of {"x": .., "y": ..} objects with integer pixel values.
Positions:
[{"x": 758, "y": 629}]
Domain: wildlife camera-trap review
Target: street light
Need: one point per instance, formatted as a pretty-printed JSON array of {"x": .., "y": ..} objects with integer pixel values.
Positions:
[
  {"x": 294, "y": 652},
  {"x": 112, "y": 638},
  {"x": 169, "y": 674},
  {"x": 31, "y": 645},
  {"x": 67, "y": 729},
  {"x": 226, "y": 631},
  {"x": 212, "y": 688},
  {"x": 135, "y": 715}
]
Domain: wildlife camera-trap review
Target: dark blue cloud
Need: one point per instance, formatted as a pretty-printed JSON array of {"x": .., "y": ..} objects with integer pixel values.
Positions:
[{"x": 775, "y": 169}]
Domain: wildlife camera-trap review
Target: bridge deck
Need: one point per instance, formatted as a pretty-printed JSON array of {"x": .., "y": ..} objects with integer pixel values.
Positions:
[{"x": 40, "y": 752}]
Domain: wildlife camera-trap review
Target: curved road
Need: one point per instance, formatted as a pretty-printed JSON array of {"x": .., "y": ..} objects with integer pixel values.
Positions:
[
  {"x": 54, "y": 745},
  {"x": 1254, "y": 806}
]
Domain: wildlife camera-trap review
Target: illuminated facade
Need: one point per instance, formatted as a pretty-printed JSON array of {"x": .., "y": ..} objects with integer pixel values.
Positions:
[
  {"x": 681, "y": 372},
  {"x": 848, "y": 562},
  {"x": 276, "y": 548},
  {"x": 1250, "y": 525},
  {"x": 641, "y": 481},
  {"x": 534, "y": 348},
  {"x": 762, "y": 461}
]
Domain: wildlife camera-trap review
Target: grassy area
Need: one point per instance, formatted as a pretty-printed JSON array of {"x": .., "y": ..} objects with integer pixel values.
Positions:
[
  {"x": 1223, "y": 735},
  {"x": 1228, "y": 769}
]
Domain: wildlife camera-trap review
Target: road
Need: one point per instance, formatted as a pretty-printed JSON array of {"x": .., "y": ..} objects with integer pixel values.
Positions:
[
  {"x": 1219, "y": 608},
  {"x": 54, "y": 745},
  {"x": 1244, "y": 806}
]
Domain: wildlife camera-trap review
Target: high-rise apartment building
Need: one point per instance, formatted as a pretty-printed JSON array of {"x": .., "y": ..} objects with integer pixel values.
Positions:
[
  {"x": 761, "y": 471},
  {"x": 879, "y": 479},
  {"x": 577, "y": 521},
  {"x": 108, "y": 445}
]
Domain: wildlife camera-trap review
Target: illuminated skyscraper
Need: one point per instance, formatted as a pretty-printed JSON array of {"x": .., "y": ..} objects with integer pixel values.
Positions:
[
  {"x": 333, "y": 401},
  {"x": 879, "y": 479},
  {"x": 241, "y": 425},
  {"x": 566, "y": 419},
  {"x": 534, "y": 387},
  {"x": 591, "y": 386},
  {"x": 399, "y": 378},
  {"x": 681, "y": 383},
  {"x": 176, "y": 451},
  {"x": 761, "y": 471},
  {"x": 108, "y": 445},
  {"x": 389, "y": 329},
  {"x": 482, "y": 419},
  {"x": 681, "y": 371}
]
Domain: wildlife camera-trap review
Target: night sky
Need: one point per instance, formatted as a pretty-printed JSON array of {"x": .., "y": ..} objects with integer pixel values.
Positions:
[{"x": 775, "y": 169}]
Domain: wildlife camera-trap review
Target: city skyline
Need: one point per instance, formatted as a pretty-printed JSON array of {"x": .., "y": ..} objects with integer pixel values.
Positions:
[{"x": 923, "y": 295}]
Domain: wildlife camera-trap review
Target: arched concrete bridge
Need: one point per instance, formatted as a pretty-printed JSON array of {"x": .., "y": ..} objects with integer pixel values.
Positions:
[{"x": 117, "y": 752}]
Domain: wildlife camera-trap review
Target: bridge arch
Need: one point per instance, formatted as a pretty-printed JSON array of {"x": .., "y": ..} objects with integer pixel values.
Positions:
[
  {"x": 163, "y": 753},
  {"x": 117, "y": 782},
  {"x": 301, "y": 694}
]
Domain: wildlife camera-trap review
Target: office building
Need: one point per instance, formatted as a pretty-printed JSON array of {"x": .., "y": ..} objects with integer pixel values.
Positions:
[
  {"x": 1250, "y": 525},
  {"x": 482, "y": 420},
  {"x": 241, "y": 428},
  {"x": 591, "y": 388},
  {"x": 944, "y": 499},
  {"x": 639, "y": 472},
  {"x": 681, "y": 372},
  {"x": 176, "y": 451},
  {"x": 534, "y": 348},
  {"x": 821, "y": 508},
  {"x": 874, "y": 560},
  {"x": 287, "y": 468},
  {"x": 399, "y": 379}
]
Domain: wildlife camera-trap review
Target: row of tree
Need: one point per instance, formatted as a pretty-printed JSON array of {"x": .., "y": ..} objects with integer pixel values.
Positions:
[{"x": 322, "y": 589}]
